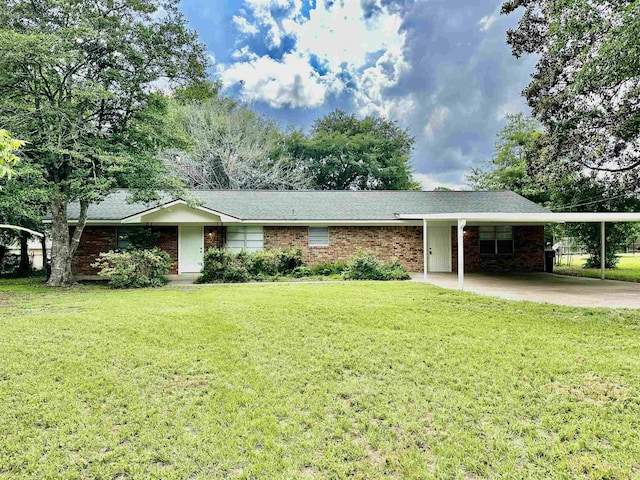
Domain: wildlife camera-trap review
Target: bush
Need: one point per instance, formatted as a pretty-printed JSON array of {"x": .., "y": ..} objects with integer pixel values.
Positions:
[
  {"x": 289, "y": 260},
  {"x": 327, "y": 269},
  {"x": 224, "y": 266},
  {"x": 366, "y": 266},
  {"x": 134, "y": 268},
  {"x": 262, "y": 263}
]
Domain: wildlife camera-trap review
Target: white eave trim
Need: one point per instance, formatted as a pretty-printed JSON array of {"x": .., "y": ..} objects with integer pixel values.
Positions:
[
  {"x": 137, "y": 217},
  {"x": 550, "y": 217}
]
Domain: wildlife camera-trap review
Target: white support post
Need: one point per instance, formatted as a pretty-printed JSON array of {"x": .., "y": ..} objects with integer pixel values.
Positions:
[
  {"x": 461, "y": 224},
  {"x": 425, "y": 249},
  {"x": 602, "y": 250}
]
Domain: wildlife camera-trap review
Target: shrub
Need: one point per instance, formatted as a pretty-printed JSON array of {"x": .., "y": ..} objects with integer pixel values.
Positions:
[
  {"x": 366, "y": 266},
  {"x": 134, "y": 268},
  {"x": 328, "y": 269},
  {"x": 262, "y": 263},
  {"x": 289, "y": 260},
  {"x": 224, "y": 266}
]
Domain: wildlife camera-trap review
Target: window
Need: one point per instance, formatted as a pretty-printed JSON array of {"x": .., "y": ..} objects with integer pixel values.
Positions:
[
  {"x": 318, "y": 236},
  {"x": 496, "y": 240},
  {"x": 245, "y": 237},
  {"x": 122, "y": 238}
]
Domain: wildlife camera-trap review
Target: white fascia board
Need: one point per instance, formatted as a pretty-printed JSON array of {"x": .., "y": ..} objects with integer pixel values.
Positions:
[
  {"x": 529, "y": 217},
  {"x": 321, "y": 223},
  {"x": 137, "y": 217}
]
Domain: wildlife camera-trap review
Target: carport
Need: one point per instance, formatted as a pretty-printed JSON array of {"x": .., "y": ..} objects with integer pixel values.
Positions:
[{"x": 463, "y": 219}]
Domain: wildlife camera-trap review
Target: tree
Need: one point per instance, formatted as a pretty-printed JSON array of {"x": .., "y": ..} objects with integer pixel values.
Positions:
[
  {"x": 232, "y": 146},
  {"x": 516, "y": 146},
  {"x": 586, "y": 85},
  {"x": 8, "y": 158},
  {"x": 522, "y": 143},
  {"x": 343, "y": 152},
  {"x": 78, "y": 83}
]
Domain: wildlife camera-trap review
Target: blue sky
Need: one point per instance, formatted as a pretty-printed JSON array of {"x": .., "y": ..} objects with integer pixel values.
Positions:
[{"x": 441, "y": 68}]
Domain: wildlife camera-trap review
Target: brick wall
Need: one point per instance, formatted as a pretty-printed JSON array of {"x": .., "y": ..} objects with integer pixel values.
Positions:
[
  {"x": 96, "y": 240},
  {"x": 528, "y": 252},
  {"x": 402, "y": 243}
]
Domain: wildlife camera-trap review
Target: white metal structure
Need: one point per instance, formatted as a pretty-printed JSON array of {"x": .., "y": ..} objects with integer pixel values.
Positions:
[{"x": 463, "y": 219}]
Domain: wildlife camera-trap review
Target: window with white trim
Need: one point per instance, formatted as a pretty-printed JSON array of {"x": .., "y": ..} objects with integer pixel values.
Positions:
[
  {"x": 245, "y": 237},
  {"x": 496, "y": 240},
  {"x": 318, "y": 236}
]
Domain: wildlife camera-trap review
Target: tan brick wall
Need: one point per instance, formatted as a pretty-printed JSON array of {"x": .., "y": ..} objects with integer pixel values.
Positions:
[
  {"x": 96, "y": 240},
  {"x": 528, "y": 252},
  {"x": 401, "y": 243}
]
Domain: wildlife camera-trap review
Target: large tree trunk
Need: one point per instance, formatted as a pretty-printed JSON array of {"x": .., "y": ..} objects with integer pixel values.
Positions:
[
  {"x": 25, "y": 264},
  {"x": 62, "y": 247}
]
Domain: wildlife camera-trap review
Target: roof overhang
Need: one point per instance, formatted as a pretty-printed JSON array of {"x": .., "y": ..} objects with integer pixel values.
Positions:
[{"x": 529, "y": 218}]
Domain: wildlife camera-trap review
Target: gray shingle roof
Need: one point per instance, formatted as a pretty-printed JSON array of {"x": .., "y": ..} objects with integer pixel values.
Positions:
[{"x": 262, "y": 205}]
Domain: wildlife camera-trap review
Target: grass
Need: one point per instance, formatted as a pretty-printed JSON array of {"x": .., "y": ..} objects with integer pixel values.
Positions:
[
  {"x": 328, "y": 380},
  {"x": 628, "y": 269}
]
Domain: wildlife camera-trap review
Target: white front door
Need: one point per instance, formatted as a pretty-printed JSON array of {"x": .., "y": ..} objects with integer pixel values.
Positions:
[
  {"x": 439, "y": 248},
  {"x": 190, "y": 249}
]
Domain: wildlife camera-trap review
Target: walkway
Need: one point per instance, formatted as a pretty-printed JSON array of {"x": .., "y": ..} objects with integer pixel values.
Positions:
[{"x": 545, "y": 287}]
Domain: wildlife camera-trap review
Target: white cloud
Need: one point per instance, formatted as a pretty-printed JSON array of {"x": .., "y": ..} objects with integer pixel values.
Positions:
[
  {"x": 431, "y": 182},
  {"x": 487, "y": 22},
  {"x": 290, "y": 82},
  {"x": 345, "y": 43},
  {"x": 437, "y": 121},
  {"x": 243, "y": 25}
]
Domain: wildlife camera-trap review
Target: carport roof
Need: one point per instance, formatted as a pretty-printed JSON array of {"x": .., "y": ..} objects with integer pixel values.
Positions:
[{"x": 269, "y": 205}]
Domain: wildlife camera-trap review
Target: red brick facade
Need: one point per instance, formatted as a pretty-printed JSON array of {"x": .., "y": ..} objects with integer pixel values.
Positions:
[
  {"x": 527, "y": 256},
  {"x": 400, "y": 243},
  {"x": 96, "y": 240}
]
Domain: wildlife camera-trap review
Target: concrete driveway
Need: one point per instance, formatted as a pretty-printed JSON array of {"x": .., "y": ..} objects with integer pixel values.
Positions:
[{"x": 546, "y": 287}]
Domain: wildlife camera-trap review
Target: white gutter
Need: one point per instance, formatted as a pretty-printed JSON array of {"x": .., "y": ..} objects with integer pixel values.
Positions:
[
  {"x": 15, "y": 227},
  {"x": 550, "y": 217}
]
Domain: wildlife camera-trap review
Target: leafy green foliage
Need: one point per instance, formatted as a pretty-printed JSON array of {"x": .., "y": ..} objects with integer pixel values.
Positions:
[
  {"x": 79, "y": 83},
  {"x": 8, "y": 158},
  {"x": 134, "y": 268},
  {"x": 224, "y": 266},
  {"x": 509, "y": 167},
  {"x": 141, "y": 238},
  {"x": 366, "y": 266},
  {"x": 587, "y": 81},
  {"x": 344, "y": 152},
  {"x": 328, "y": 269}
]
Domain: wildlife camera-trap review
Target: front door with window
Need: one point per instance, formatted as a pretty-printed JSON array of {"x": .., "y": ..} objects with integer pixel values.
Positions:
[
  {"x": 439, "y": 249},
  {"x": 190, "y": 249}
]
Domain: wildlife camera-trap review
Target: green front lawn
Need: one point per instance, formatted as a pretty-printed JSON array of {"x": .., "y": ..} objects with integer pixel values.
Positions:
[
  {"x": 628, "y": 269},
  {"x": 327, "y": 380}
]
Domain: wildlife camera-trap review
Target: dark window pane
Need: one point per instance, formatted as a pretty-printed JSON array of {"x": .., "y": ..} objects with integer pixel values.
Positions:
[
  {"x": 505, "y": 246},
  {"x": 122, "y": 235},
  {"x": 487, "y": 246}
]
